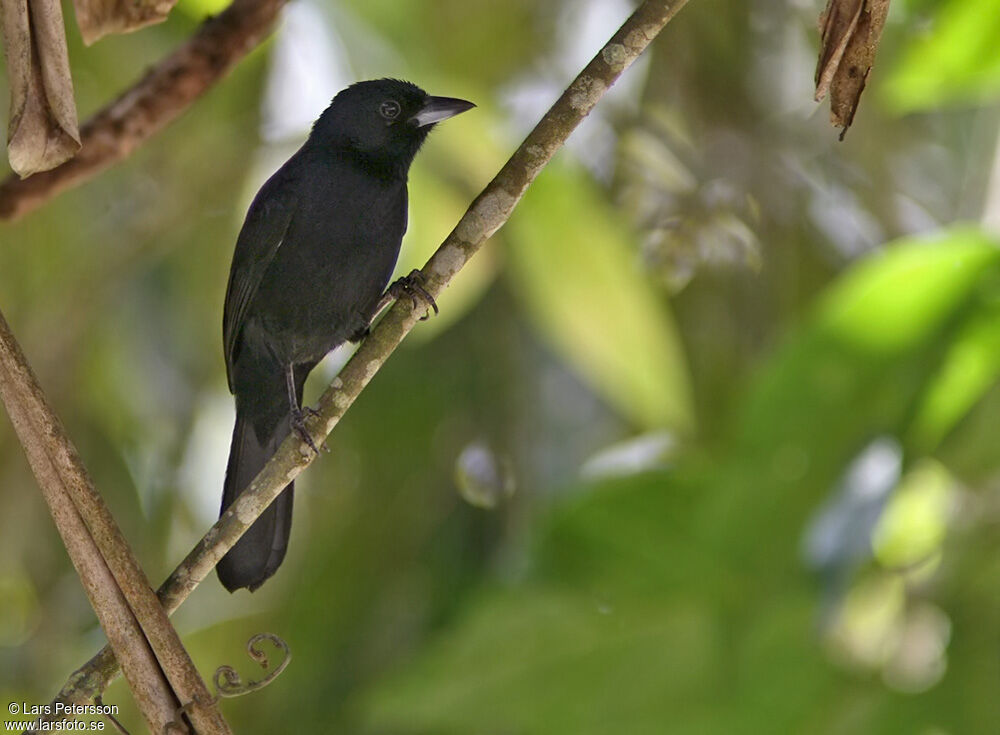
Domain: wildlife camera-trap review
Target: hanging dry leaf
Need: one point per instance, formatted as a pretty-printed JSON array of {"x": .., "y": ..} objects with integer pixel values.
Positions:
[
  {"x": 850, "y": 32},
  {"x": 43, "y": 130},
  {"x": 98, "y": 18}
]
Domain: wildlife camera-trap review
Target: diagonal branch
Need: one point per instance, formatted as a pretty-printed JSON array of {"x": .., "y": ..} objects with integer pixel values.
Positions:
[
  {"x": 39, "y": 433},
  {"x": 490, "y": 210},
  {"x": 159, "y": 670},
  {"x": 156, "y": 100}
]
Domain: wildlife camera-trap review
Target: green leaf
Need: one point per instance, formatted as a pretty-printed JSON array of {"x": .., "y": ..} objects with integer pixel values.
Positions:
[
  {"x": 912, "y": 528},
  {"x": 199, "y": 9},
  {"x": 873, "y": 345},
  {"x": 957, "y": 62},
  {"x": 620, "y": 629},
  {"x": 860, "y": 366},
  {"x": 576, "y": 272},
  {"x": 893, "y": 300},
  {"x": 970, "y": 368},
  {"x": 540, "y": 661}
]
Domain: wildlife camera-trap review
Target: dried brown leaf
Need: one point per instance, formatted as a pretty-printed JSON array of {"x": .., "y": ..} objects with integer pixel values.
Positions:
[
  {"x": 43, "y": 130},
  {"x": 159, "y": 97},
  {"x": 97, "y": 18},
  {"x": 850, "y": 32},
  {"x": 837, "y": 24}
]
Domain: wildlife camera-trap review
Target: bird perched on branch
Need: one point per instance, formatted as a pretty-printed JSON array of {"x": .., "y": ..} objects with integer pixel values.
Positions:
[{"x": 309, "y": 272}]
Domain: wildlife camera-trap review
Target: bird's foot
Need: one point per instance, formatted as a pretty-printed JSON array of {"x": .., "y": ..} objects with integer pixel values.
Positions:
[
  {"x": 298, "y": 422},
  {"x": 412, "y": 286},
  {"x": 359, "y": 335}
]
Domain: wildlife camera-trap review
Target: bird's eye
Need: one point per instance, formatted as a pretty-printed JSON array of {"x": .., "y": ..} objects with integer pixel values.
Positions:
[{"x": 389, "y": 109}]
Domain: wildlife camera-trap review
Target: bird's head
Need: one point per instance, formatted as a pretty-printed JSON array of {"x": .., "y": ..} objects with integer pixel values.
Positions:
[{"x": 383, "y": 121}]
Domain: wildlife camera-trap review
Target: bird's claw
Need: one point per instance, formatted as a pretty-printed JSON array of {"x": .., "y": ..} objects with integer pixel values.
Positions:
[
  {"x": 412, "y": 285},
  {"x": 298, "y": 422}
]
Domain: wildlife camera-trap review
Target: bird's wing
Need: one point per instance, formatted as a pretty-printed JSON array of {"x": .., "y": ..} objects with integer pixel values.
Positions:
[{"x": 266, "y": 225}]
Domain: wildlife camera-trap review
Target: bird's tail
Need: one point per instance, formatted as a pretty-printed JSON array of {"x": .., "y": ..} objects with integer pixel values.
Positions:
[{"x": 262, "y": 423}]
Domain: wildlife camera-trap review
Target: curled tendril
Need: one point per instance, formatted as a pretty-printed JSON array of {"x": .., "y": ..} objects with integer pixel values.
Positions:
[{"x": 229, "y": 684}]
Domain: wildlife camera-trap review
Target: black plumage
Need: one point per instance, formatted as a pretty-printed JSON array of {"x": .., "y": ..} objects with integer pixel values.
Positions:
[{"x": 311, "y": 264}]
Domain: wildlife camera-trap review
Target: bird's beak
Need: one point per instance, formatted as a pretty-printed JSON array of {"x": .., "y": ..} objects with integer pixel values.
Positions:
[{"x": 436, "y": 109}]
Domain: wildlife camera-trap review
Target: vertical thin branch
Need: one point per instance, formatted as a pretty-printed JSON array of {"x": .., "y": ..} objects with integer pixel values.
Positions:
[
  {"x": 20, "y": 394},
  {"x": 164, "y": 676}
]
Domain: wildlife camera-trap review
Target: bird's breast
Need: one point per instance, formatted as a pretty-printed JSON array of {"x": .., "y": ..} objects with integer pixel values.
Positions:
[{"x": 331, "y": 268}]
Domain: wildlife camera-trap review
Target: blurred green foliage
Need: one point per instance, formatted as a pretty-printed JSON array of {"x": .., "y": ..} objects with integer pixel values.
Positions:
[
  {"x": 704, "y": 269},
  {"x": 955, "y": 62},
  {"x": 599, "y": 310}
]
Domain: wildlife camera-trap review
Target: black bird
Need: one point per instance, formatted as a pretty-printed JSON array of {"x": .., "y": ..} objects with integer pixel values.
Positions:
[{"x": 310, "y": 268}]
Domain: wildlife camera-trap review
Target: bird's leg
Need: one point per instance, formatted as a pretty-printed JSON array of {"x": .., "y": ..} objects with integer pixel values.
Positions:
[
  {"x": 412, "y": 286},
  {"x": 298, "y": 415},
  {"x": 360, "y": 334}
]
